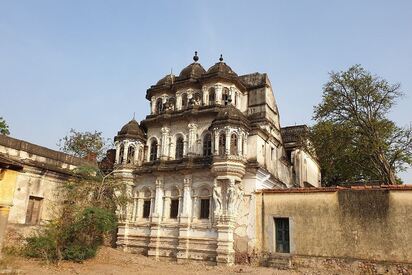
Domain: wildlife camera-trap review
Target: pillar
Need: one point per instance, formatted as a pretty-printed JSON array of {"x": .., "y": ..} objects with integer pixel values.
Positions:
[
  {"x": 218, "y": 94},
  {"x": 117, "y": 152},
  {"x": 227, "y": 143},
  {"x": 216, "y": 143},
  {"x": 192, "y": 138},
  {"x": 165, "y": 143},
  {"x": 184, "y": 219}
]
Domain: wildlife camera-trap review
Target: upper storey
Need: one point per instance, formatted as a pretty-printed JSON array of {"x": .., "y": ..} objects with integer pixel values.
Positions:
[
  {"x": 195, "y": 86},
  {"x": 198, "y": 89}
]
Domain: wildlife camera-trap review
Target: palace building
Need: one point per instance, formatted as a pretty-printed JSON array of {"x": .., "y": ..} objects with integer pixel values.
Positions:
[{"x": 194, "y": 164}]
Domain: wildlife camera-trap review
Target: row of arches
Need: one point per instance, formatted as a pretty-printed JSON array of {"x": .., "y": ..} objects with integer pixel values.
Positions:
[
  {"x": 172, "y": 203},
  {"x": 185, "y": 100},
  {"x": 228, "y": 143},
  {"x": 129, "y": 153}
]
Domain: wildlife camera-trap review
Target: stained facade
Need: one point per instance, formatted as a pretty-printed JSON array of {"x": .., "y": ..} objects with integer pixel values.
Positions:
[{"x": 193, "y": 165}]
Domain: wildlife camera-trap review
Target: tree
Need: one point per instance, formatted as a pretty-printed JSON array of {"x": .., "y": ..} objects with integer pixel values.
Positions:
[
  {"x": 82, "y": 222},
  {"x": 353, "y": 137},
  {"x": 4, "y": 128},
  {"x": 84, "y": 144}
]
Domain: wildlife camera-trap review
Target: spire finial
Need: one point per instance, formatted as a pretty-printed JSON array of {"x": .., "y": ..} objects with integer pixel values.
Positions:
[
  {"x": 134, "y": 115},
  {"x": 221, "y": 58},
  {"x": 195, "y": 58}
]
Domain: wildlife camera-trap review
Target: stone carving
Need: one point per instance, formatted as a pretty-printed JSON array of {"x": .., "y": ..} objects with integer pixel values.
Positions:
[
  {"x": 231, "y": 197},
  {"x": 217, "y": 199},
  {"x": 239, "y": 197}
]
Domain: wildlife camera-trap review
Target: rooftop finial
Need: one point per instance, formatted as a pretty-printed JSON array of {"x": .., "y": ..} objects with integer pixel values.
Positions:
[
  {"x": 221, "y": 58},
  {"x": 134, "y": 115},
  {"x": 195, "y": 58}
]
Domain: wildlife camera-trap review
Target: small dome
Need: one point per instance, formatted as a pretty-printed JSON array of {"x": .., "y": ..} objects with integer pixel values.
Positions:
[
  {"x": 221, "y": 67},
  {"x": 167, "y": 80},
  {"x": 131, "y": 130},
  {"x": 194, "y": 70},
  {"x": 231, "y": 115}
]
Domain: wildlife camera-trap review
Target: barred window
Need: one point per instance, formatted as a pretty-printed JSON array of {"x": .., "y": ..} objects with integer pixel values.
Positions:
[{"x": 207, "y": 145}]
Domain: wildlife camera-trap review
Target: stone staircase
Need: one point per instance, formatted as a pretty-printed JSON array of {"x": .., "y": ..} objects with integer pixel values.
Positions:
[{"x": 280, "y": 262}]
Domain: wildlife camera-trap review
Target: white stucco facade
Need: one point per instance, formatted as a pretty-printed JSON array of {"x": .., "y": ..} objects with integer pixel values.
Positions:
[{"x": 211, "y": 140}]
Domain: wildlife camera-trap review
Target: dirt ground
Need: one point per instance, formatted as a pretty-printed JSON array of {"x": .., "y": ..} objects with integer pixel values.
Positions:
[{"x": 112, "y": 261}]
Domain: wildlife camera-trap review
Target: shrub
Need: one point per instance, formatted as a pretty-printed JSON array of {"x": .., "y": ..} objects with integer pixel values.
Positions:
[
  {"x": 73, "y": 237},
  {"x": 42, "y": 246},
  {"x": 79, "y": 252}
]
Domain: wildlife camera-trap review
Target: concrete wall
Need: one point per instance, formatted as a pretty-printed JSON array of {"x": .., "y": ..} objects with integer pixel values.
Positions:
[{"x": 362, "y": 224}]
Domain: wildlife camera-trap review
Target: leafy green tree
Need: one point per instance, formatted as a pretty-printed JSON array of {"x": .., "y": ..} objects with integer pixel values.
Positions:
[
  {"x": 84, "y": 144},
  {"x": 4, "y": 128},
  {"x": 84, "y": 220},
  {"x": 353, "y": 137}
]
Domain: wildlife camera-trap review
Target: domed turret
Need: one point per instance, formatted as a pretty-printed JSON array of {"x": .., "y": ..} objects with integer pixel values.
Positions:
[
  {"x": 221, "y": 68},
  {"x": 230, "y": 115},
  {"x": 167, "y": 80},
  {"x": 131, "y": 130},
  {"x": 194, "y": 70}
]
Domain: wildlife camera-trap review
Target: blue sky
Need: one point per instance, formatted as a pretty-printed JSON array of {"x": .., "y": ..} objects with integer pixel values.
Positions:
[{"x": 87, "y": 64}]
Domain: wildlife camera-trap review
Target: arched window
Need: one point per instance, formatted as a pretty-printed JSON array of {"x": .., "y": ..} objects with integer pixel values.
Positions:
[
  {"x": 212, "y": 97},
  {"x": 184, "y": 101},
  {"x": 225, "y": 96},
  {"x": 179, "y": 148},
  {"x": 222, "y": 144},
  {"x": 233, "y": 144},
  {"x": 159, "y": 105},
  {"x": 197, "y": 97},
  {"x": 171, "y": 103},
  {"x": 174, "y": 203},
  {"x": 130, "y": 154},
  {"x": 153, "y": 150},
  {"x": 204, "y": 197},
  {"x": 207, "y": 145},
  {"x": 121, "y": 154}
]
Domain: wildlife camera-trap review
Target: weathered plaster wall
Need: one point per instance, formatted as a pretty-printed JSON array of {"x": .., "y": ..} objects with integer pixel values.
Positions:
[{"x": 363, "y": 224}]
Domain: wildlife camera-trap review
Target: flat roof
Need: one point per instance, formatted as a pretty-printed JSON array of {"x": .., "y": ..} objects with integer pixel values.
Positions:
[{"x": 400, "y": 187}]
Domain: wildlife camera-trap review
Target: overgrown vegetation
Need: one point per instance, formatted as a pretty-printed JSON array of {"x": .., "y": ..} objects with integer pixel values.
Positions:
[
  {"x": 353, "y": 137},
  {"x": 84, "y": 144},
  {"x": 4, "y": 128},
  {"x": 87, "y": 216}
]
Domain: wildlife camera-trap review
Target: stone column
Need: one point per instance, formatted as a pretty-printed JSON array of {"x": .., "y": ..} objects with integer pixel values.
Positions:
[
  {"x": 126, "y": 148},
  {"x": 205, "y": 95},
  {"x": 192, "y": 138},
  {"x": 139, "y": 210},
  {"x": 165, "y": 143},
  {"x": 244, "y": 145},
  {"x": 187, "y": 199},
  {"x": 216, "y": 143},
  {"x": 166, "y": 207},
  {"x": 154, "y": 241},
  {"x": 218, "y": 94},
  {"x": 153, "y": 104},
  {"x": 158, "y": 198},
  {"x": 117, "y": 152},
  {"x": 227, "y": 143},
  {"x": 136, "y": 152},
  {"x": 239, "y": 145}
]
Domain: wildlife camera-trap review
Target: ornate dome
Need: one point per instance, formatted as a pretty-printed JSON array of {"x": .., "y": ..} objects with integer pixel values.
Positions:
[
  {"x": 167, "y": 80},
  {"x": 194, "y": 70},
  {"x": 221, "y": 67},
  {"x": 131, "y": 130},
  {"x": 231, "y": 115}
]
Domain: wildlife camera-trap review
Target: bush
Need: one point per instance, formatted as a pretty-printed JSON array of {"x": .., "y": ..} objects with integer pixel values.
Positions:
[
  {"x": 43, "y": 246},
  {"x": 72, "y": 237},
  {"x": 79, "y": 252}
]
